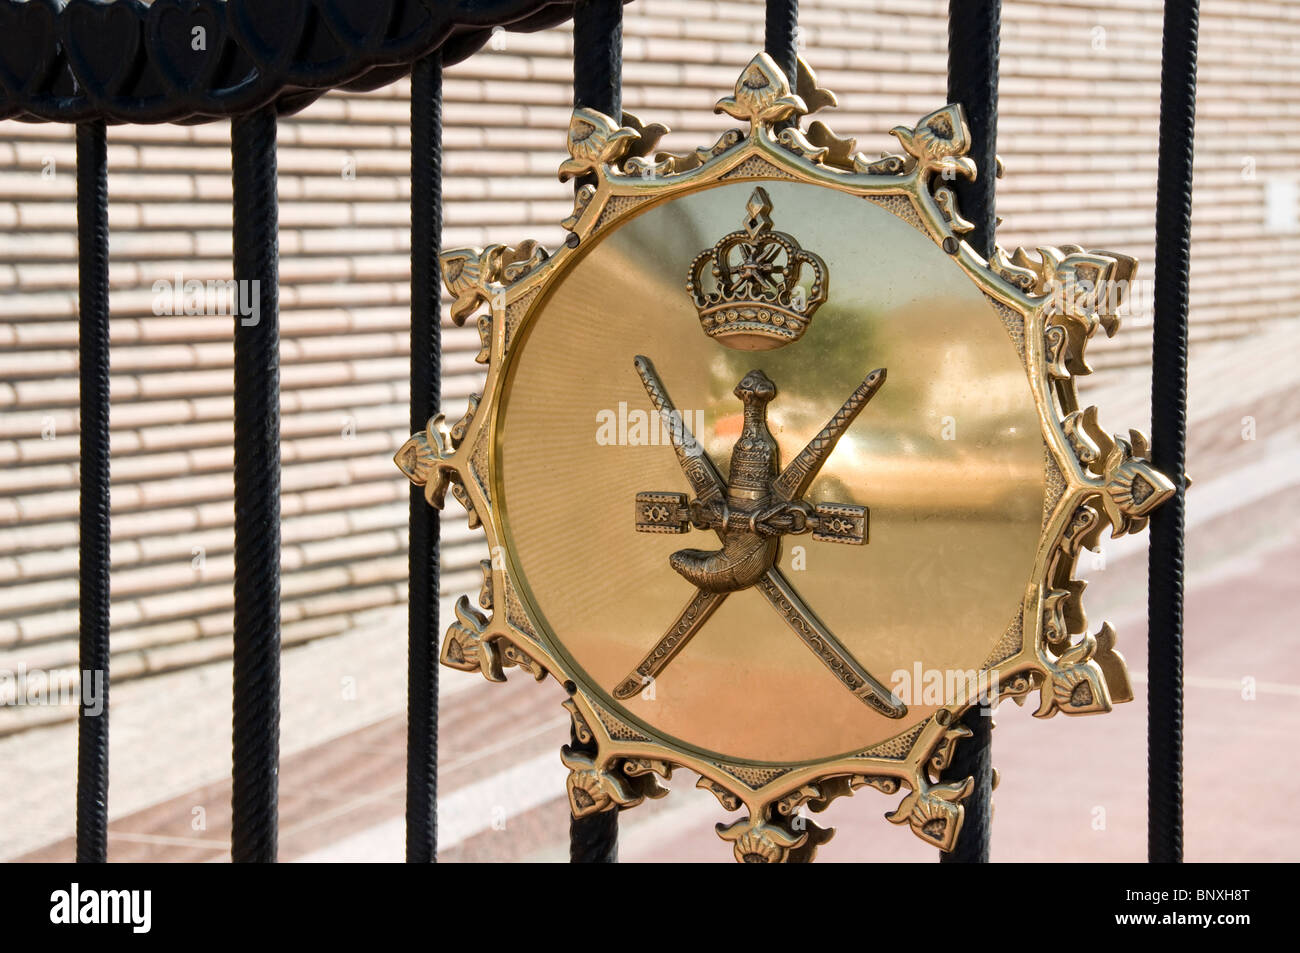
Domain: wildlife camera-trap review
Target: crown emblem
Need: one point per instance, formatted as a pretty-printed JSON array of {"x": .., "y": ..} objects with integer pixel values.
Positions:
[{"x": 750, "y": 288}]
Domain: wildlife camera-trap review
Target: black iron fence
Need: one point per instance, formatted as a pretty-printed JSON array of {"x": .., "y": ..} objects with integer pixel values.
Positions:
[{"x": 94, "y": 63}]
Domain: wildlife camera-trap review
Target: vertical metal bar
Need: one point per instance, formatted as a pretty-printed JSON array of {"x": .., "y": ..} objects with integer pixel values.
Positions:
[
  {"x": 1169, "y": 434},
  {"x": 426, "y": 381},
  {"x": 597, "y": 84},
  {"x": 973, "y": 37},
  {"x": 598, "y": 56},
  {"x": 594, "y": 839},
  {"x": 781, "y": 35},
  {"x": 92, "y": 723},
  {"x": 256, "y": 735}
]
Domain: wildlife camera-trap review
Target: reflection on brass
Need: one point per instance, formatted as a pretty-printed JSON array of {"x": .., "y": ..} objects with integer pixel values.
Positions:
[
  {"x": 747, "y": 286},
  {"x": 984, "y": 476},
  {"x": 758, "y": 504}
]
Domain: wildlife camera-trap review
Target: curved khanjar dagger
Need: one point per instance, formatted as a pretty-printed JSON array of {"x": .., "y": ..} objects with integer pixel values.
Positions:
[{"x": 793, "y": 481}]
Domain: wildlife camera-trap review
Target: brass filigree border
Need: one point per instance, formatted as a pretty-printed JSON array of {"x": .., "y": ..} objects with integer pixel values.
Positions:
[{"x": 1051, "y": 302}]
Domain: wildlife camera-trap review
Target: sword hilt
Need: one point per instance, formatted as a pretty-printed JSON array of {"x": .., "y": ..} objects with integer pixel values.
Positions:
[
  {"x": 840, "y": 523},
  {"x": 662, "y": 513}
]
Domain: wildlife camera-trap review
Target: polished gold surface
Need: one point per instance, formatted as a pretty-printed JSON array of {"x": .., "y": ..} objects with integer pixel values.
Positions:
[
  {"x": 966, "y": 493},
  {"x": 955, "y": 522}
]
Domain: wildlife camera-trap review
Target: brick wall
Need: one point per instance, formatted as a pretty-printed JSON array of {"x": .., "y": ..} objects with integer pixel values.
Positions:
[{"x": 1080, "y": 84}]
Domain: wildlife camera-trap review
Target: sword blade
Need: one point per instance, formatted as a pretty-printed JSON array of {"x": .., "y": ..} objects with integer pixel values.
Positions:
[
  {"x": 700, "y": 472},
  {"x": 691, "y": 619},
  {"x": 826, "y": 647},
  {"x": 803, "y": 469}
]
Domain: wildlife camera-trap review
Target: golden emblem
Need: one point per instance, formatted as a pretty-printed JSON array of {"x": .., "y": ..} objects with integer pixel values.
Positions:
[
  {"x": 980, "y": 475},
  {"x": 751, "y": 510}
]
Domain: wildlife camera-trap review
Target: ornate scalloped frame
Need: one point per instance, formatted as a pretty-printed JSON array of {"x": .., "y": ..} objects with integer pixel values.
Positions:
[{"x": 1051, "y": 301}]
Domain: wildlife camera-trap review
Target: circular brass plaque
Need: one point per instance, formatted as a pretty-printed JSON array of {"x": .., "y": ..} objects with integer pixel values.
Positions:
[
  {"x": 949, "y": 457},
  {"x": 878, "y": 525}
]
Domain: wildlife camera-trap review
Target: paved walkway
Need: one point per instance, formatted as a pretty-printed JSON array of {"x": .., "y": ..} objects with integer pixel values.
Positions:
[{"x": 1072, "y": 789}]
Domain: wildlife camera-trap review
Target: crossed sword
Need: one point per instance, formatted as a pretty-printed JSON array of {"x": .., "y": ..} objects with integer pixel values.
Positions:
[{"x": 711, "y": 491}]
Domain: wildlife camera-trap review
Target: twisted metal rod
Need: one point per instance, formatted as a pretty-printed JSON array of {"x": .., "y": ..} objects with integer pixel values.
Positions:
[
  {"x": 426, "y": 382},
  {"x": 93, "y": 346},
  {"x": 1169, "y": 433},
  {"x": 597, "y": 84},
  {"x": 781, "y": 35},
  {"x": 973, "y": 38},
  {"x": 256, "y": 723}
]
